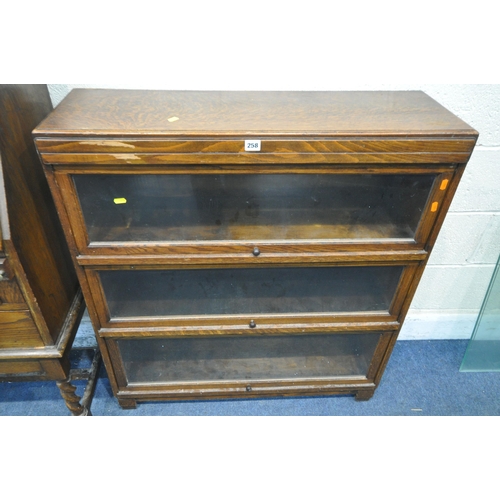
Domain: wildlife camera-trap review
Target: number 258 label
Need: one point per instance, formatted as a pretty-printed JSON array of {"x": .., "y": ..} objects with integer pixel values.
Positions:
[{"x": 252, "y": 145}]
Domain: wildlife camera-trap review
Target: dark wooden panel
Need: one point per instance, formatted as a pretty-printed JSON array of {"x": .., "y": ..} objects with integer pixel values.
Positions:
[
  {"x": 35, "y": 230},
  {"x": 4, "y": 218}
]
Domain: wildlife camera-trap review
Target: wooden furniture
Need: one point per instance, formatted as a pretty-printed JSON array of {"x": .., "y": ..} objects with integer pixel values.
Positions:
[
  {"x": 249, "y": 244},
  {"x": 40, "y": 299}
]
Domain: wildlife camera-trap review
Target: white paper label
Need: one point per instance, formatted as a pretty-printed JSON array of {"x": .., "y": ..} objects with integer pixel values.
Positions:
[{"x": 252, "y": 145}]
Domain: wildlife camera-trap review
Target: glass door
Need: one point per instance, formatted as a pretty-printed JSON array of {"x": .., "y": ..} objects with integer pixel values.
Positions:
[{"x": 252, "y": 207}]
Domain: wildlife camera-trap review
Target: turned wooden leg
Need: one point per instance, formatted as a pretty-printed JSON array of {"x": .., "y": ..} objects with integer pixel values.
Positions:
[
  {"x": 80, "y": 407},
  {"x": 127, "y": 404},
  {"x": 364, "y": 395},
  {"x": 71, "y": 399}
]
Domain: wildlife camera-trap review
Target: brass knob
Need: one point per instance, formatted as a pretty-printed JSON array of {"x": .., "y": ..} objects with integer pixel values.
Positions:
[
  {"x": 252, "y": 324},
  {"x": 249, "y": 388},
  {"x": 256, "y": 252}
]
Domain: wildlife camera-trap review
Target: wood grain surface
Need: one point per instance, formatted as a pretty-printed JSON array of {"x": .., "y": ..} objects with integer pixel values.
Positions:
[
  {"x": 40, "y": 302},
  {"x": 35, "y": 230},
  {"x": 100, "y": 112}
]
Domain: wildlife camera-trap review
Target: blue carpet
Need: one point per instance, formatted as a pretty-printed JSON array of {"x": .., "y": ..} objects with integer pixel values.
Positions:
[{"x": 422, "y": 378}]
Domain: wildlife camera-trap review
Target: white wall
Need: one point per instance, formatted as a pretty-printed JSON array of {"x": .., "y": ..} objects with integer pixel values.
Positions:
[{"x": 455, "y": 281}]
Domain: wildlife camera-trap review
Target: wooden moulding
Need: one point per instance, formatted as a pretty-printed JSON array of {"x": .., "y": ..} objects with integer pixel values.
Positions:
[
  {"x": 128, "y": 397},
  {"x": 193, "y": 260},
  {"x": 273, "y": 145},
  {"x": 253, "y": 168},
  {"x": 64, "y": 340},
  {"x": 45, "y": 362},
  {"x": 285, "y": 151},
  {"x": 266, "y": 328}
]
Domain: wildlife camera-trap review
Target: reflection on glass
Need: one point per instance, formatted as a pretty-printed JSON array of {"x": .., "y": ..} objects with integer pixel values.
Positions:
[
  {"x": 251, "y": 207},
  {"x": 483, "y": 350},
  {"x": 249, "y": 290},
  {"x": 247, "y": 358}
]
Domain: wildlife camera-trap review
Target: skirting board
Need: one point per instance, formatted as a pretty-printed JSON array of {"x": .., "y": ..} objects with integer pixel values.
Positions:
[{"x": 438, "y": 326}]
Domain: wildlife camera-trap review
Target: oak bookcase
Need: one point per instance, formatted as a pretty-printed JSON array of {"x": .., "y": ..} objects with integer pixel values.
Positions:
[{"x": 250, "y": 244}]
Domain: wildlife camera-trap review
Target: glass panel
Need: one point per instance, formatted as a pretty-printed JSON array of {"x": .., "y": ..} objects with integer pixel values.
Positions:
[
  {"x": 254, "y": 290},
  {"x": 247, "y": 358},
  {"x": 251, "y": 207},
  {"x": 483, "y": 350}
]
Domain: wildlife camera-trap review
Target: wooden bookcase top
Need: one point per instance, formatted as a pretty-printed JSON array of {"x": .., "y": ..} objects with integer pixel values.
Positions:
[{"x": 156, "y": 113}]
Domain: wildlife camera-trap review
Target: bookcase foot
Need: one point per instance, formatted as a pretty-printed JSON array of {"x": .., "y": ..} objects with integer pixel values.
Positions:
[
  {"x": 127, "y": 404},
  {"x": 364, "y": 395}
]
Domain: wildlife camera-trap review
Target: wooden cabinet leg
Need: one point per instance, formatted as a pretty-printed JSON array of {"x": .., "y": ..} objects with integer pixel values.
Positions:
[
  {"x": 71, "y": 399},
  {"x": 80, "y": 407},
  {"x": 127, "y": 404},
  {"x": 364, "y": 395}
]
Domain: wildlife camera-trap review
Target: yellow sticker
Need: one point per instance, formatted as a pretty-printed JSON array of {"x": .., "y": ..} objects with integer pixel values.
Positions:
[
  {"x": 173, "y": 119},
  {"x": 444, "y": 183},
  {"x": 120, "y": 201},
  {"x": 434, "y": 206}
]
